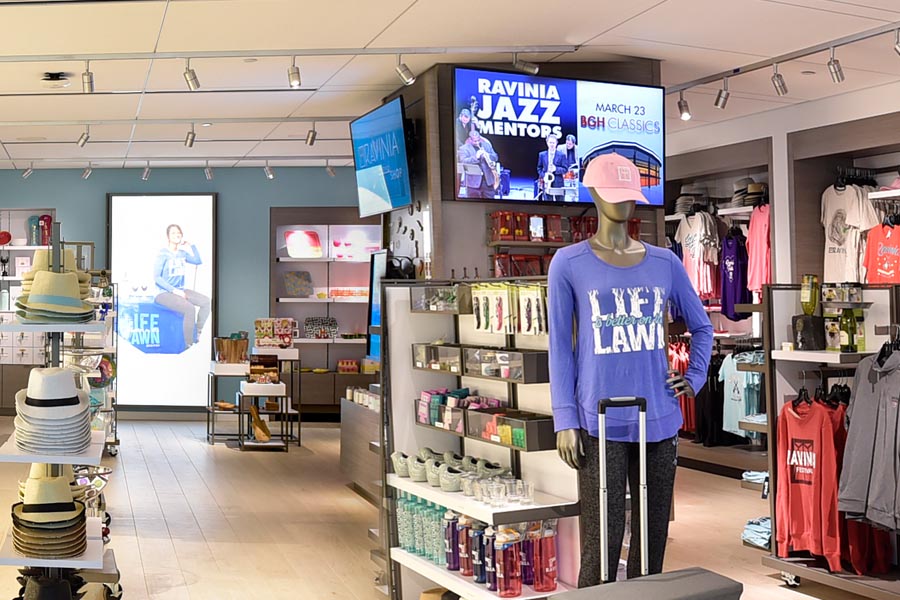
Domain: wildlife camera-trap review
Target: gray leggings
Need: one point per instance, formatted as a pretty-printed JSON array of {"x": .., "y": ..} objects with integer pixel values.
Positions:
[
  {"x": 622, "y": 458},
  {"x": 187, "y": 306}
]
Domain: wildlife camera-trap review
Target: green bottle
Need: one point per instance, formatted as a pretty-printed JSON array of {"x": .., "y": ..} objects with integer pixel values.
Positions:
[{"x": 848, "y": 330}]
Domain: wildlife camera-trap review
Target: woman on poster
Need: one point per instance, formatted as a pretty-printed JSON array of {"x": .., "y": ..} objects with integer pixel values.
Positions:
[{"x": 169, "y": 274}]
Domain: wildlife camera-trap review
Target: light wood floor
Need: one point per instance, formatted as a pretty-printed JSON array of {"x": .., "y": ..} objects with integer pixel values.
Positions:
[{"x": 193, "y": 521}]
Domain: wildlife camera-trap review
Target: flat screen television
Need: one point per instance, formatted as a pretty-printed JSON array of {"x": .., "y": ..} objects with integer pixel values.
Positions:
[
  {"x": 519, "y": 117},
  {"x": 377, "y": 271},
  {"x": 380, "y": 159}
]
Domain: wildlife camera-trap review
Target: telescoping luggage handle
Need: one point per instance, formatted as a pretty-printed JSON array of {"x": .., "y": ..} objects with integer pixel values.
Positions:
[{"x": 602, "y": 406}]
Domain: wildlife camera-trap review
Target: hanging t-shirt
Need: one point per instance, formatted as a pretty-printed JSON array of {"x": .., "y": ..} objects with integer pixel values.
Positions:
[
  {"x": 735, "y": 407},
  {"x": 883, "y": 255},
  {"x": 690, "y": 235},
  {"x": 845, "y": 213},
  {"x": 733, "y": 275},
  {"x": 759, "y": 271}
]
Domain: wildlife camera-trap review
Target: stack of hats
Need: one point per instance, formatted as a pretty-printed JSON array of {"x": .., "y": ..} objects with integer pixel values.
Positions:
[
  {"x": 48, "y": 523},
  {"x": 756, "y": 192},
  {"x": 50, "y": 297},
  {"x": 52, "y": 416},
  {"x": 38, "y": 470},
  {"x": 740, "y": 192},
  {"x": 691, "y": 194}
]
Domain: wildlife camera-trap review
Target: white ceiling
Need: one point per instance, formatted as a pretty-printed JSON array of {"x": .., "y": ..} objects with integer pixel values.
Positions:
[{"x": 692, "y": 38}]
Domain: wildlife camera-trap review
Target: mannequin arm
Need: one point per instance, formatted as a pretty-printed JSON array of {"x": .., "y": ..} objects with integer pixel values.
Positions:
[
  {"x": 569, "y": 448},
  {"x": 679, "y": 385}
]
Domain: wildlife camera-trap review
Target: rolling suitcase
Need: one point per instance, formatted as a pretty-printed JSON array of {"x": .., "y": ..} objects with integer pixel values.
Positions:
[{"x": 687, "y": 584}]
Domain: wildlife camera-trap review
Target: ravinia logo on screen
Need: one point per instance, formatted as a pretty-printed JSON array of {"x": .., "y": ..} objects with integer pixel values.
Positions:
[
  {"x": 532, "y": 115},
  {"x": 378, "y": 149}
]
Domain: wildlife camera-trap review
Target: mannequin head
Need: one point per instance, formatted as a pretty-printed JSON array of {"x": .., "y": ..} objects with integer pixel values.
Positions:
[{"x": 619, "y": 212}]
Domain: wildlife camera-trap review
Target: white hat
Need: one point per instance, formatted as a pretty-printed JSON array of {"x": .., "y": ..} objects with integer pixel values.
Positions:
[
  {"x": 47, "y": 500},
  {"x": 51, "y": 394}
]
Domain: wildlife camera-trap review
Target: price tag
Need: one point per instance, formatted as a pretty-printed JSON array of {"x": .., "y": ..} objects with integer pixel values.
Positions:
[
  {"x": 418, "y": 364},
  {"x": 439, "y": 425},
  {"x": 454, "y": 369},
  {"x": 495, "y": 438},
  {"x": 436, "y": 367}
]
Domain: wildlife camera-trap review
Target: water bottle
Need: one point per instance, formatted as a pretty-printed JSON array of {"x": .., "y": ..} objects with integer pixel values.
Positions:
[
  {"x": 403, "y": 521},
  {"x": 451, "y": 540},
  {"x": 419, "y": 527},
  {"x": 508, "y": 546},
  {"x": 437, "y": 517},
  {"x": 490, "y": 559},
  {"x": 545, "y": 572},
  {"x": 476, "y": 534},
  {"x": 463, "y": 526},
  {"x": 532, "y": 537}
]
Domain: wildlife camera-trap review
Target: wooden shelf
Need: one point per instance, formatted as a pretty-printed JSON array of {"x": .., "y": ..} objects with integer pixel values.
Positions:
[
  {"x": 526, "y": 244},
  {"x": 751, "y": 368},
  {"x": 545, "y": 506},
  {"x": 750, "y": 426},
  {"x": 820, "y": 356},
  {"x": 748, "y": 308},
  {"x": 464, "y": 587},
  {"x": 867, "y": 587}
]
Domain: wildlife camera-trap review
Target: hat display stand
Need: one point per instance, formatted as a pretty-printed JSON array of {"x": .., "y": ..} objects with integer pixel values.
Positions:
[{"x": 61, "y": 578}]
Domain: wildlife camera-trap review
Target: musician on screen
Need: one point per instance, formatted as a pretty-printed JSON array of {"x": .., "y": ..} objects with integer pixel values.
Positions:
[
  {"x": 550, "y": 169},
  {"x": 479, "y": 152}
]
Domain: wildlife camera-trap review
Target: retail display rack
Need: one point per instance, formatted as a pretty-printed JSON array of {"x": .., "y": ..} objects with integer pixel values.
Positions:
[
  {"x": 95, "y": 563},
  {"x": 322, "y": 271},
  {"x": 412, "y": 361},
  {"x": 789, "y": 371}
]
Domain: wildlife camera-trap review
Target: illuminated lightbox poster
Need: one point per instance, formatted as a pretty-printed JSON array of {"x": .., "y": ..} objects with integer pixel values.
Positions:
[{"x": 162, "y": 256}]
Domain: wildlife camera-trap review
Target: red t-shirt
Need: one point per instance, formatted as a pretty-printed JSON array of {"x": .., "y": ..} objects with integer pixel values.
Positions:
[
  {"x": 882, "y": 260},
  {"x": 806, "y": 513}
]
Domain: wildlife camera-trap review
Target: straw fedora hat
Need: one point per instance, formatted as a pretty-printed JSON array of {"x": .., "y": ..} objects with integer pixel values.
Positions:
[
  {"x": 55, "y": 293},
  {"x": 48, "y": 500},
  {"x": 41, "y": 260},
  {"x": 51, "y": 394}
]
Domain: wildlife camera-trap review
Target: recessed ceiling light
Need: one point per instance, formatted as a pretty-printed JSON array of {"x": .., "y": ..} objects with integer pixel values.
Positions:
[
  {"x": 207, "y": 124},
  {"x": 250, "y": 59},
  {"x": 807, "y": 72}
]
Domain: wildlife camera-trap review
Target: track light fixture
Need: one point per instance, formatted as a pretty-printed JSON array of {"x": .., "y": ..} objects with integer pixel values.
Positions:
[
  {"x": 270, "y": 174},
  {"x": 208, "y": 172},
  {"x": 311, "y": 135},
  {"x": 405, "y": 73},
  {"x": 190, "y": 137},
  {"x": 834, "y": 67},
  {"x": 85, "y": 136},
  {"x": 146, "y": 174},
  {"x": 778, "y": 81},
  {"x": 683, "y": 107},
  {"x": 190, "y": 76},
  {"x": 294, "y": 74},
  {"x": 87, "y": 171},
  {"x": 28, "y": 172},
  {"x": 723, "y": 95},
  {"x": 329, "y": 169},
  {"x": 87, "y": 79},
  {"x": 525, "y": 66}
]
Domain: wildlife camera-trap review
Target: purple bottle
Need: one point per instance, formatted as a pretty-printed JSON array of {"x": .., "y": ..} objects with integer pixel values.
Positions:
[
  {"x": 477, "y": 545},
  {"x": 490, "y": 559},
  {"x": 451, "y": 540},
  {"x": 532, "y": 536}
]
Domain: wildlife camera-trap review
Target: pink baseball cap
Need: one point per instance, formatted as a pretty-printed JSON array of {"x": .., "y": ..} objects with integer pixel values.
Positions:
[
  {"x": 615, "y": 178},
  {"x": 895, "y": 185}
]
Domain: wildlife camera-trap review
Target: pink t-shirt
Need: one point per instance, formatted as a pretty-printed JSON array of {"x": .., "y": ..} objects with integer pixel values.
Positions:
[{"x": 759, "y": 270}]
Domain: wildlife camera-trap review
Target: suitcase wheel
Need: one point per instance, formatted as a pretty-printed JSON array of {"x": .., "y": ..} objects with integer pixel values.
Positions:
[{"x": 790, "y": 579}]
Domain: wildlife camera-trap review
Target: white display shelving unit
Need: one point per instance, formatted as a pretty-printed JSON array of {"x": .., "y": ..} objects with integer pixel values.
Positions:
[
  {"x": 822, "y": 357},
  {"x": 92, "y": 558},
  {"x": 11, "y": 453},
  {"x": 463, "y": 586},
  {"x": 556, "y": 490}
]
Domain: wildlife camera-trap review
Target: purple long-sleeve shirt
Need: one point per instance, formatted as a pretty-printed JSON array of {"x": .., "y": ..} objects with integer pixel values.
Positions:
[{"x": 620, "y": 348}]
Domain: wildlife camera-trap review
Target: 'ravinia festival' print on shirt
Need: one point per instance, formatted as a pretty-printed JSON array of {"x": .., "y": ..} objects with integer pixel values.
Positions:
[{"x": 620, "y": 344}]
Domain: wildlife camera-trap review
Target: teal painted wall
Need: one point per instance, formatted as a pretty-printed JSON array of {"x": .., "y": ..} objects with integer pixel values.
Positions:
[{"x": 244, "y": 199}]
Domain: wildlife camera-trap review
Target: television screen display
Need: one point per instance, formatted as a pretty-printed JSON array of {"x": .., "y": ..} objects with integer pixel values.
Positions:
[
  {"x": 529, "y": 138},
  {"x": 377, "y": 271},
  {"x": 379, "y": 156}
]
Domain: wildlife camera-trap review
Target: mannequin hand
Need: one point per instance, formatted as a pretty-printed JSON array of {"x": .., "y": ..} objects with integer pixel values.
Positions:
[
  {"x": 569, "y": 448},
  {"x": 678, "y": 384}
]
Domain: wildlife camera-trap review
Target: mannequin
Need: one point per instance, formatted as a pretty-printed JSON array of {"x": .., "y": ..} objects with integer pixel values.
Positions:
[{"x": 617, "y": 288}]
